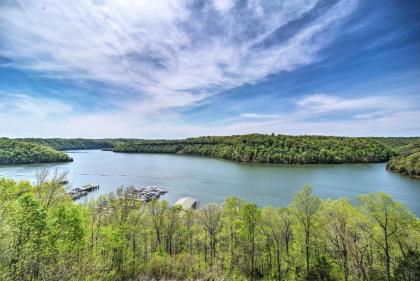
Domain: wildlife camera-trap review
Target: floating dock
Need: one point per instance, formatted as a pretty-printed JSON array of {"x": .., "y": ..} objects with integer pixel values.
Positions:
[
  {"x": 78, "y": 192},
  {"x": 89, "y": 187},
  {"x": 148, "y": 193}
]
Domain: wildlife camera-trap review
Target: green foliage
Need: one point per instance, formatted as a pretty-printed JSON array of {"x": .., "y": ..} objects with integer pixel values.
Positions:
[
  {"x": 408, "y": 160},
  {"x": 396, "y": 142},
  {"x": 20, "y": 152},
  {"x": 72, "y": 144},
  {"x": 322, "y": 271},
  {"x": 45, "y": 236},
  {"x": 408, "y": 267},
  {"x": 270, "y": 148}
]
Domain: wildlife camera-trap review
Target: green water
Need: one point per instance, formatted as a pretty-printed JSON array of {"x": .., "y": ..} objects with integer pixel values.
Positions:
[{"x": 212, "y": 180}]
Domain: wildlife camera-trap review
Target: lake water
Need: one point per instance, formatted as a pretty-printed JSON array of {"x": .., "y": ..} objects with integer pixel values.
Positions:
[{"x": 212, "y": 180}]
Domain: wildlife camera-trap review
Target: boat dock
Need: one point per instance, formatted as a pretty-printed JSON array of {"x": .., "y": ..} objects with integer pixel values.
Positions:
[
  {"x": 89, "y": 187},
  {"x": 143, "y": 194},
  {"x": 148, "y": 193},
  {"x": 78, "y": 192}
]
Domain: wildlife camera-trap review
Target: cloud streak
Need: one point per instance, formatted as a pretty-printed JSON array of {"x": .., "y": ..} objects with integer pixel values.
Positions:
[
  {"x": 171, "y": 53},
  {"x": 168, "y": 56},
  {"x": 322, "y": 103},
  {"x": 21, "y": 104}
]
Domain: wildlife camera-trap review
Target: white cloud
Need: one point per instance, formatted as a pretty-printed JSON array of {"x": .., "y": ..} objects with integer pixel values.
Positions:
[
  {"x": 170, "y": 52},
  {"x": 257, "y": 116},
  {"x": 322, "y": 103},
  {"x": 223, "y": 5},
  {"x": 173, "y": 56},
  {"x": 118, "y": 125},
  {"x": 69, "y": 122},
  {"x": 366, "y": 116},
  {"x": 19, "y": 104}
]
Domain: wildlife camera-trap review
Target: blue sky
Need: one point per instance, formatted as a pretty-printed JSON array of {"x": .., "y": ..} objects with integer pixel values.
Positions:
[{"x": 170, "y": 69}]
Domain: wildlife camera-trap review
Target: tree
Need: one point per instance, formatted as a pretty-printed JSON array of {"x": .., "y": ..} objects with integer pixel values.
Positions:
[
  {"x": 210, "y": 218},
  {"x": 172, "y": 226},
  {"x": 339, "y": 218},
  {"x": 275, "y": 228},
  {"x": 305, "y": 206},
  {"x": 250, "y": 219},
  {"x": 389, "y": 216},
  {"x": 408, "y": 267},
  {"x": 231, "y": 218},
  {"x": 29, "y": 225},
  {"x": 287, "y": 222},
  {"x": 158, "y": 211},
  {"x": 50, "y": 187}
]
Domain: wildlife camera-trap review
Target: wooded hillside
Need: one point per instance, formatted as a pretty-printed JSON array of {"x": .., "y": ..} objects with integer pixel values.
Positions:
[
  {"x": 78, "y": 143},
  {"x": 20, "y": 152},
  {"x": 408, "y": 160},
  {"x": 270, "y": 149}
]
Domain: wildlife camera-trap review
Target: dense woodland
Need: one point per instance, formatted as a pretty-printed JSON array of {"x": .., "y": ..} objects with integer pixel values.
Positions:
[
  {"x": 78, "y": 143},
  {"x": 396, "y": 142},
  {"x": 20, "y": 152},
  {"x": 271, "y": 148},
  {"x": 45, "y": 236},
  {"x": 408, "y": 160}
]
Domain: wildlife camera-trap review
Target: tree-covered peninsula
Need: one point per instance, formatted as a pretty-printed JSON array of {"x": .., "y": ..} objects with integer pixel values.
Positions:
[
  {"x": 45, "y": 236},
  {"x": 21, "y": 152},
  {"x": 408, "y": 160},
  {"x": 261, "y": 148}
]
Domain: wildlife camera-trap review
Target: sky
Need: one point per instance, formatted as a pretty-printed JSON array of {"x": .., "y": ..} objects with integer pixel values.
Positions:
[{"x": 174, "y": 69}]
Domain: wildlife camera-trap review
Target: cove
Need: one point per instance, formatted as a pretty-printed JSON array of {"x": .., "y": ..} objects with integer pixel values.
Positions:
[{"x": 212, "y": 180}]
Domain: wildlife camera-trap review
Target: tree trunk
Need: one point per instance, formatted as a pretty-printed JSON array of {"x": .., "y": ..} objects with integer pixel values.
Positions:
[
  {"x": 387, "y": 257},
  {"x": 345, "y": 264},
  {"x": 252, "y": 258},
  {"x": 307, "y": 251},
  {"x": 278, "y": 264},
  {"x": 134, "y": 251}
]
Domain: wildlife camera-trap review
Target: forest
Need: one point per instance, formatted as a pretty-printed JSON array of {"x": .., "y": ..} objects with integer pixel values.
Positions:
[
  {"x": 77, "y": 143},
  {"x": 20, "y": 152},
  {"x": 37, "y": 150},
  {"x": 45, "y": 236},
  {"x": 396, "y": 142},
  {"x": 408, "y": 160},
  {"x": 271, "y": 148}
]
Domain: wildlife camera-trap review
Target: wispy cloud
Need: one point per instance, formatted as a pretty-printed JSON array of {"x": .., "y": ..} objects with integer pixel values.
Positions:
[
  {"x": 257, "y": 116},
  {"x": 315, "y": 114},
  {"x": 322, "y": 103},
  {"x": 22, "y": 104},
  {"x": 169, "y": 55},
  {"x": 172, "y": 53},
  {"x": 127, "y": 124}
]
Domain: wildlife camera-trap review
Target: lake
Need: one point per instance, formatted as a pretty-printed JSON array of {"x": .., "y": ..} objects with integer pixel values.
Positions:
[{"x": 212, "y": 180}]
